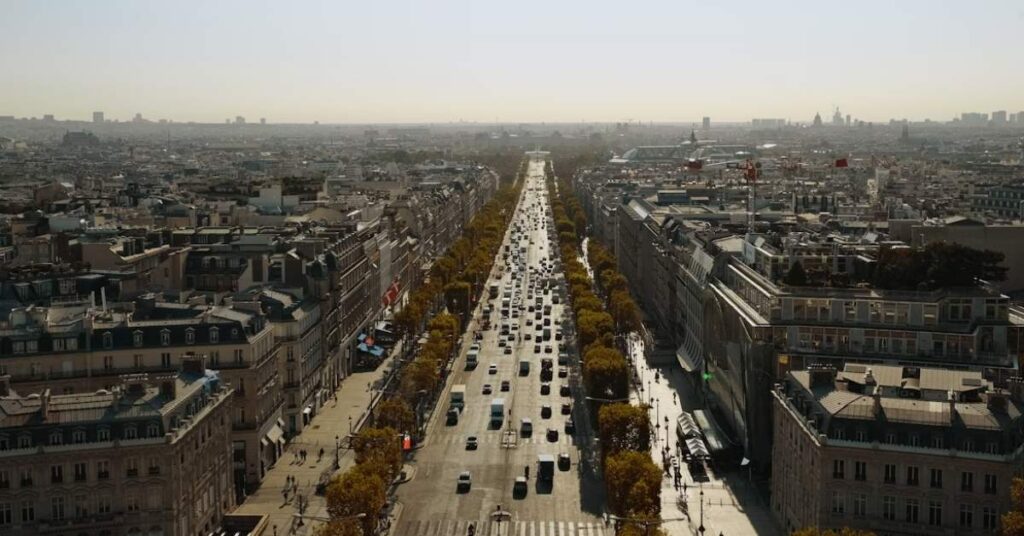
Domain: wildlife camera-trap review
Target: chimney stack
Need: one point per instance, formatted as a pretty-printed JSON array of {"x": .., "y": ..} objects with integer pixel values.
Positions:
[
  {"x": 952, "y": 397},
  {"x": 1015, "y": 385},
  {"x": 193, "y": 364},
  {"x": 44, "y": 404},
  {"x": 821, "y": 374}
]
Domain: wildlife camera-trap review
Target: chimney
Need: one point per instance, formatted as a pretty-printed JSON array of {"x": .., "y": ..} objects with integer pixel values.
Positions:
[
  {"x": 169, "y": 387},
  {"x": 5, "y": 385},
  {"x": 821, "y": 374},
  {"x": 193, "y": 364},
  {"x": 44, "y": 405},
  {"x": 869, "y": 377},
  {"x": 997, "y": 401},
  {"x": 951, "y": 396},
  {"x": 876, "y": 399},
  {"x": 1015, "y": 385}
]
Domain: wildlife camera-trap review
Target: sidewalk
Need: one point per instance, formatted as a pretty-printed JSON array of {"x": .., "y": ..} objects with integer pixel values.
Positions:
[{"x": 353, "y": 398}]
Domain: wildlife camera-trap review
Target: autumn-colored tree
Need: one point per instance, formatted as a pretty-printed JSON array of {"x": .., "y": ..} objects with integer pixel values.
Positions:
[
  {"x": 395, "y": 413},
  {"x": 605, "y": 373},
  {"x": 359, "y": 490},
  {"x": 379, "y": 445},
  {"x": 420, "y": 375},
  {"x": 612, "y": 281},
  {"x": 340, "y": 527},
  {"x": 592, "y": 325},
  {"x": 586, "y": 301},
  {"x": 633, "y": 483},
  {"x": 624, "y": 311},
  {"x": 409, "y": 318},
  {"x": 623, "y": 427},
  {"x": 845, "y": 531},
  {"x": 1013, "y": 519}
]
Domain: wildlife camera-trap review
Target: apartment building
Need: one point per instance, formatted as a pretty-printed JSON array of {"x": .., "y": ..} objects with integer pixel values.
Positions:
[
  {"x": 76, "y": 349},
  {"x": 894, "y": 449},
  {"x": 151, "y": 456}
]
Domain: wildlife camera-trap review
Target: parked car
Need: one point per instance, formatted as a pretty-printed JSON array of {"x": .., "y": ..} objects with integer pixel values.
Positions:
[
  {"x": 465, "y": 482},
  {"x": 471, "y": 443}
]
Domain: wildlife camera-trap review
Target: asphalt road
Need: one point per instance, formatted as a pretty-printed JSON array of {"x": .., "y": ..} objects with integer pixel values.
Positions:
[{"x": 573, "y": 503}]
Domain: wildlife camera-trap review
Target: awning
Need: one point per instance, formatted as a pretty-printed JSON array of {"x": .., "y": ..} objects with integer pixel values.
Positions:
[
  {"x": 375, "y": 351},
  {"x": 685, "y": 427},
  {"x": 696, "y": 447},
  {"x": 688, "y": 359},
  {"x": 276, "y": 434},
  {"x": 713, "y": 435}
]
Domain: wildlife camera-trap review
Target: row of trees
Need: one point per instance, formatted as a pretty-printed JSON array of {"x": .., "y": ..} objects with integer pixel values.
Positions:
[
  {"x": 356, "y": 497},
  {"x": 632, "y": 479}
]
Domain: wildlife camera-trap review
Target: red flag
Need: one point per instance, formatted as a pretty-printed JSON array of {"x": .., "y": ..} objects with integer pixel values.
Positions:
[{"x": 842, "y": 163}]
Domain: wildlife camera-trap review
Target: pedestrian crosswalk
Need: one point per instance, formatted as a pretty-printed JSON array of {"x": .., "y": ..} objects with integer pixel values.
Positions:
[{"x": 442, "y": 527}]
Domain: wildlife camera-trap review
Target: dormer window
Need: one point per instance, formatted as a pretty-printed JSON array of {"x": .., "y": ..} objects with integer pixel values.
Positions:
[
  {"x": 78, "y": 436},
  {"x": 214, "y": 335},
  {"x": 108, "y": 340},
  {"x": 165, "y": 337},
  {"x": 137, "y": 338},
  {"x": 131, "y": 433},
  {"x": 234, "y": 333},
  {"x": 103, "y": 434},
  {"x": 190, "y": 336},
  {"x": 153, "y": 430},
  {"x": 56, "y": 437}
]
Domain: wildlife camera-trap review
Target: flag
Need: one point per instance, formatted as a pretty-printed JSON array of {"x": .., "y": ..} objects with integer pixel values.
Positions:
[{"x": 842, "y": 163}]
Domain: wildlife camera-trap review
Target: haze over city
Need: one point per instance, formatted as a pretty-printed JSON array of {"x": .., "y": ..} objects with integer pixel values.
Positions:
[{"x": 532, "y": 61}]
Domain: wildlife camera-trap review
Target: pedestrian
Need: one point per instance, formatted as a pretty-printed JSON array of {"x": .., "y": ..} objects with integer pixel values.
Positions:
[{"x": 321, "y": 454}]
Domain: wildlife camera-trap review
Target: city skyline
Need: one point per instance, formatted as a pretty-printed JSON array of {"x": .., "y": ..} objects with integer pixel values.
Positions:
[{"x": 456, "y": 61}]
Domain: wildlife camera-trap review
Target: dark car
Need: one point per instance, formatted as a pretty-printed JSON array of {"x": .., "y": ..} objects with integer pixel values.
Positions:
[
  {"x": 545, "y": 411},
  {"x": 552, "y": 435},
  {"x": 564, "y": 390},
  {"x": 505, "y": 386},
  {"x": 545, "y": 388},
  {"x": 570, "y": 426},
  {"x": 566, "y": 408},
  {"x": 564, "y": 462},
  {"x": 563, "y": 372}
]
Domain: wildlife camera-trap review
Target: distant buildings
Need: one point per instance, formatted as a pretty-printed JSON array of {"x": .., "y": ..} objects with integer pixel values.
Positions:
[{"x": 97, "y": 117}]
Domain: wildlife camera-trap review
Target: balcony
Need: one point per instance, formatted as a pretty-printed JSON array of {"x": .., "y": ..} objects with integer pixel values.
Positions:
[{"x": 132, "y": 473}]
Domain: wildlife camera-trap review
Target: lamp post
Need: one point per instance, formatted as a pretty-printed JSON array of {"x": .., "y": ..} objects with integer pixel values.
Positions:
[
  {"x": 337, "y": 449},
  {"x": 701, "y": 528},
  {"x": 349, "y": 425}
]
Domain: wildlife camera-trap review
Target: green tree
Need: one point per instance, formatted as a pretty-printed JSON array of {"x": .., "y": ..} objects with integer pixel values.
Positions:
[
  {"x": 623, "y": 427},
  {"x": 796, "y": 276},
  {"x": 359, "y": 490}
]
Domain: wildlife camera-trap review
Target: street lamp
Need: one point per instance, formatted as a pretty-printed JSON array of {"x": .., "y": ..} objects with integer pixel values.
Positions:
[
  {"x": 337, "y": 448},
  {"x": 349, "y": 425},
  {"x": 701, "y": 528}
]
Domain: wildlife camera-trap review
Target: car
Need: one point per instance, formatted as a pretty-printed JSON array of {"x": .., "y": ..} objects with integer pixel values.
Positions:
[
  {"x": 511, "y": 337},
  {"x": 471, "y": 443},
  {"x": 552, "y": 435},
  {"x": 505, "y": 385},
  {"x": 519, "y": 489},
  {"x": 501, "y": 342},
  {"x": 529, "y": 321},
  {"x": 545, "y": 388},
  {"x": 563, "y": 372},
  {"x": 536, "y": 348},
  {"x": 527, "y": 336},
  {"x": 547, "y": 349},
  {"x": 570, "y": 426},
  {"x": 564, "y": 390},
  {"x": 493, "y": 369},
  {"x": 465, "y": 482},
  {"x": 566, "y": 408},
  {"x": 558, "y": 335},
  {"x": 452, "y": 417},
  {"x": 564, "y": 462},
  {"x": 508, "y": 350},
  {"x": 545, "y": 411},
  {"x": 487, "y": 389}
]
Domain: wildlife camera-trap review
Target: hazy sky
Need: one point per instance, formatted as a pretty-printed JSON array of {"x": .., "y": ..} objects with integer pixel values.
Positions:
[{"x": 522, "y": 60}]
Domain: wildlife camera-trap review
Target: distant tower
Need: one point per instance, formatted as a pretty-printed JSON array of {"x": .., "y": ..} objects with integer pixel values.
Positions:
[
  {"x": 693, "y": 137},
  {"x": 707, "y": 123},
  {"x": 837, "y": 118},
  {"x": 849, "y": 120},
  {"x": 97, "y": 117},
  {"x": 239, "y": 120},
  {"x": 905, "y": 135},
  {"x": 817, "y": 119}
]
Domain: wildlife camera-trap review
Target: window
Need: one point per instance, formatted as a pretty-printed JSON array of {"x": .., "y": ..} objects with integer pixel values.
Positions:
[
  {"x": 838, "y": 468},
  {"x": 912, "y": 472},
  {"x": 215, "y": 358},
  {"x": 131, "y": 467},
  {"x": 990, "y": 483},
  {"x": 26, "y": 477},
  {"x": 154, "y": 466},
  {"x": 890, "y": 438},
  {"x": 165, "y": 337},
  {"x": 130, "y": 432},
  {"x": 988, "y": 517},
  {"x": 914, "y": 440},
  {"x": 103, "y": 504},
  {"x": 5, "y": 479},
  {"x": 238, "y": 357},
  {"x": 862, "y": 435},
  {"x": 28, "y": 511},
  {"x": 936, "y": 481},
  {"x": 57, "y": 508},
  {"x": 913, "y": 510},
  {"x": 190, "y": 336},
  {"x": 890, "y": 473},
  {"x": 132, "y": 502},
  {"x": 56, "y": 437},
  {"x": 5, "y": 514},
  {"x": 838, "y": 503},
  {"x": 102, "y": 470},
  {"x": 966, "y": 481},
  {"x": 966, "y": 516},
  {"x": 137, "y": 361},
  {"x": 78, "y": 436},
  {"x": 165, "y": 360},
  {"x": 18, "y": 347},
  {"x": 103, "y": 434},
  {"x": 153, "y": 430},
  {"x": 108, "y": 362},
  {"x": 860, "y": 504},
  {"x": 81, "y": 506},
  {"x": 934, "y": 513},
  {"x": 4, "y": 443},
  {"x": 937, "y": 442},
  {"x": 860, "y": 470},
  {"x": 214, "y": 335},
  {"x": 56, "y": 474},
  {"x": 108, "y": 340},
  {"x": 137, "y": 338},
  {"x": 80, "y": 474}
]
